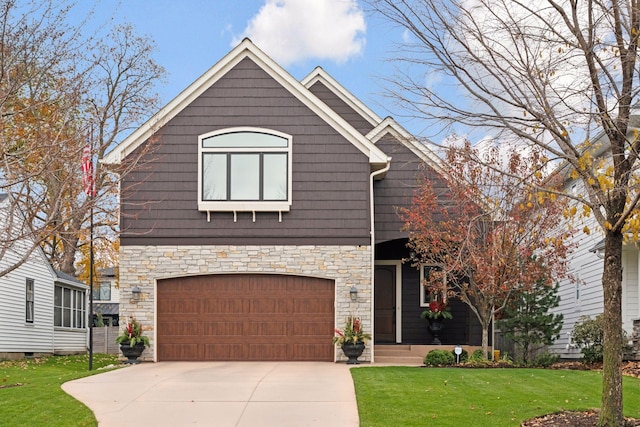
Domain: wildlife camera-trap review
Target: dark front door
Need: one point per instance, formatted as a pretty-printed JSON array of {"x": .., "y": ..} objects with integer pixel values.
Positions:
[{"x": 385, "y": 303}]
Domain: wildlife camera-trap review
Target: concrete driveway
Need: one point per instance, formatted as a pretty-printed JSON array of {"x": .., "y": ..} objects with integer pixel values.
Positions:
[{"x": 221, "y": 394}]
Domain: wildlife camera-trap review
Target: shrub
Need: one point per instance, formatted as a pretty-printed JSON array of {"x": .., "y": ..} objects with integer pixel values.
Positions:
[
  {"x": 464, "y": 356},
  {"x": 477, "y": 356},
  {"x": 545, "y": 360},
  {"x": 439, "y": 358},
  {"x": 588, "y": 335}
]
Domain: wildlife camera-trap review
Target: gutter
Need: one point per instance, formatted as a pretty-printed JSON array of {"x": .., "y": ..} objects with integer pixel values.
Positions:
[{"x": 373, "y": 245}]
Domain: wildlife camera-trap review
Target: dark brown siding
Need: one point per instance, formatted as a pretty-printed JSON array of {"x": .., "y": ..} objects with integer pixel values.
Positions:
[
  {"x": 397, "y": 188},
  {"x": 340, "y": 107},
  {"x": 464, "y": 328},
  {"x": 330, "y": 176}
]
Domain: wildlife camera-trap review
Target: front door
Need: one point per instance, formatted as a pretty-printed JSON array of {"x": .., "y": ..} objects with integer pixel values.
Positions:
[{"x": 385, "y": 303}]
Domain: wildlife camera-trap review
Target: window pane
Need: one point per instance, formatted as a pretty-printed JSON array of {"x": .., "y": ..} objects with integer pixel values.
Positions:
[
  {"x": 66, "y": 317},
  {"x": 57, "y": 298},
  {"x": 57, "y": 316},
  {"x": 105, "y": 291},
  {"x": 275, "y": 177},
  {"x": 244, "y": 140},
  {"x": 214, "y": 176},
  {"x": 245, "y": 177}
]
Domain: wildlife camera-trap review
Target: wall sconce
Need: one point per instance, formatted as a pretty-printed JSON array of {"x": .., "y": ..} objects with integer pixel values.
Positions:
[
  {"x": 135, "y": 293},
  {"x": 353, "y": 293}
]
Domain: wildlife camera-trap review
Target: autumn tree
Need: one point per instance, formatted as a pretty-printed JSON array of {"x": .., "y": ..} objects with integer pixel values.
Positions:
[
  {"x": 491, "y": 235},
  {"x": 554, "y": 74},
  {"x": 63, "y": 87}
]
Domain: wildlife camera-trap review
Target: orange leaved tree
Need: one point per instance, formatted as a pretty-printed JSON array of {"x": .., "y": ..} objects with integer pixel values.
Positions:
[{"x": 490, "y": 234}]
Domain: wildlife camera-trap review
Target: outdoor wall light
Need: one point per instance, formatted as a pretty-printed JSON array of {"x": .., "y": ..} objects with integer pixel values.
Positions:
[
  {"x": 135, "y": 293},
  {"x": 353, "y": 293}
]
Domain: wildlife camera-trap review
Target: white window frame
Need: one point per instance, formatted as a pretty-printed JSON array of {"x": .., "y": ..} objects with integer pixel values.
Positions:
[
  {"x": 77, "y": 309},
  {"x": 30, "y": 300},
  {"x": 424, "y": 295},
  {"x": 257, "y": 205}
]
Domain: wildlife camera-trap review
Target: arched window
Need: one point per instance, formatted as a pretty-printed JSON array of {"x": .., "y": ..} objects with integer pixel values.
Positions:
[{"x": 244, "y": 169}]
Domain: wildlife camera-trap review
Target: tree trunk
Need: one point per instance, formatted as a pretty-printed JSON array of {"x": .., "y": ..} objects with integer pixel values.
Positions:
[
  {"x": 485, "y": 340},
  {"x": 611, "y": 411}
]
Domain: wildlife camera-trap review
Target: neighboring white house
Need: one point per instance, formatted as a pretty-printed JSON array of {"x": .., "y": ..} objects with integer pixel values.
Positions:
[
  {"x": 41, "y": 312},
  {"x": 106, "y": 298},
  {"x": 584, "y": 297}
]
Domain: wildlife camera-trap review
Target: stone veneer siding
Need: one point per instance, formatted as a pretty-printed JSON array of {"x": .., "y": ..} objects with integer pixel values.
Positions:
[{"x": 347, "y": 265}]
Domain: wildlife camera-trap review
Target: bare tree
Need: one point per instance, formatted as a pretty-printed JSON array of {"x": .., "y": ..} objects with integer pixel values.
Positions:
[
  {"x": 63, "y": 87},
  {"x": 549, "y": 73}
]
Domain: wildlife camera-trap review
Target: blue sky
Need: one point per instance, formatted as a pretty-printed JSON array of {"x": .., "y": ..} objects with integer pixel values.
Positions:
[{"x": 339, "y": 35}]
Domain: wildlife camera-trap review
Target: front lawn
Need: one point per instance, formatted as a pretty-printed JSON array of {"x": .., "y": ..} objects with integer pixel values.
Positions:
[
  {"x": 30, "y": 392},
  {"x": 409, "y": 396}
]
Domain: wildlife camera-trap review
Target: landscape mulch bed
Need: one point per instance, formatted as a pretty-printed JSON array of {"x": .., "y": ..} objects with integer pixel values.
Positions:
[{"x": 586, "y": 418}]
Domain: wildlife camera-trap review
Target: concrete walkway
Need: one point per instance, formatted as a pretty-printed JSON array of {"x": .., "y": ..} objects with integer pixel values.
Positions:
[{"x": 221, "y": 394}]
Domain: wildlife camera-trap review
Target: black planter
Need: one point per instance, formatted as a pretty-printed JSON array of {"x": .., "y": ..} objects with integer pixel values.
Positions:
[
  {"x": 435, "y": 327},
  {"x": 353, "y": 351},
  {"x": 132, "y": 352}
]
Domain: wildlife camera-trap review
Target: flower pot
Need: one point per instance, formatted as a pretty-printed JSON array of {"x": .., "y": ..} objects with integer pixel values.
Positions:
[
  {"x": 435, "y": 327},
  {"x": 132, "y": 352},
  {"x": 353, "y": 351}
]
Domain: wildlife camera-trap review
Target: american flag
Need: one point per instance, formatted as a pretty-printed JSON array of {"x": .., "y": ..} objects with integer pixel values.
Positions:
[{"x": 88, "y": 179}]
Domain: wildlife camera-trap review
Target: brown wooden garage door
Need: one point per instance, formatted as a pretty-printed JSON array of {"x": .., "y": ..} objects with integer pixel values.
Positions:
[{"x": 245, "y": 317}]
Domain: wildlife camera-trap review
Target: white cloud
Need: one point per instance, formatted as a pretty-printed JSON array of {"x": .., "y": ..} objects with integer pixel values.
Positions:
[{"x": 292, "y": 31}]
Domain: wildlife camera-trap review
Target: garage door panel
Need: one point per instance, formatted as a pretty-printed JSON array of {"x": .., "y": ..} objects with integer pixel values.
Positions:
[
  {"x": 271, "y": 328},
  {"x": 223, "y": 305},
  {"x": 268, "y": 306},
  {"x": 222, "y": 351},
  {"x": 181, "y": 306},
  {"x": 246, "y": 317},
  {"x": 222, "y": 328},
  {"x": 268, "y": 351}
]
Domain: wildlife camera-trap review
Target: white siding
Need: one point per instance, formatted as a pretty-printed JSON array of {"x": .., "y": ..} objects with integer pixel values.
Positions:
[
  {"x": 630, "y": 289},
  {"x": 587, "y": 267},
  {"x": 16, "y": 335},
  {"x": 70, "y": 341}
]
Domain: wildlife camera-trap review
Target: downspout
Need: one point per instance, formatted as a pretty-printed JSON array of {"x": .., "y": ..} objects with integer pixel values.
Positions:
[{"x": 373, "y": 245}]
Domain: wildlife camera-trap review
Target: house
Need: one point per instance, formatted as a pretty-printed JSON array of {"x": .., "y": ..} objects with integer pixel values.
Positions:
[
  {"x": 583, "y": 297},
  {"x": 264, "y": 213},
  {"x": 106, "y": 299},
  {"x": 41, "y": 311}
]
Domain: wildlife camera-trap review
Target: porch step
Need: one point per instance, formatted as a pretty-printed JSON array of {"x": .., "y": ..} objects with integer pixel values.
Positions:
[{"x": 408, "y": 354}]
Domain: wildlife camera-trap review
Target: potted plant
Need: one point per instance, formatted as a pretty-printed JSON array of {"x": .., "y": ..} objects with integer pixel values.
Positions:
[
  {"x": 435, "y": 313},
  {"x": 132, "y": 342},
  {"x": 351, "y": 339}
]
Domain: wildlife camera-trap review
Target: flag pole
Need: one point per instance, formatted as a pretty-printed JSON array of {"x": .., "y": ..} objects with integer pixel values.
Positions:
[
  {"x": 88, "y": 179},
  {"x": 91, "y": 283}
]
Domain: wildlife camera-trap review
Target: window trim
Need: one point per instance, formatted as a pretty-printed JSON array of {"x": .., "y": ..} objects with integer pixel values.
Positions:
[
  {"x": 252, "y": 205},
  {"x": 75, "y": 313},
  {"x": 30, "y": 298},
  {"x": 424, "y": 301}
]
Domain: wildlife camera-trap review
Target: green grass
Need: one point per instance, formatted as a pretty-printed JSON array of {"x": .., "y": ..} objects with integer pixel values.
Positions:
[
  {"x": 30, "y": 392},
  {"x": 405, "y": 396}
]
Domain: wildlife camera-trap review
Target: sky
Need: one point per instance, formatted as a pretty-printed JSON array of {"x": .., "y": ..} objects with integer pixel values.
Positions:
[{"x": 351, "y": 44}]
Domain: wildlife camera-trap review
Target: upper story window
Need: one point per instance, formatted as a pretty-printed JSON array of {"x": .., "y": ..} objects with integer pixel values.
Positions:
[
  {"x": 103, "y": 293},
  {"x": 244, "y": 169}
]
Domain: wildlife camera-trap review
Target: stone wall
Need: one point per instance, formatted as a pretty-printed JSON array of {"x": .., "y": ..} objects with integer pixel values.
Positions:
[{"x": 347, "y": 265}]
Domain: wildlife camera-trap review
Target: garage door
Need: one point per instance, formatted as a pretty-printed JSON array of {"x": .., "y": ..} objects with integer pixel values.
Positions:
[{"x": 245, "y": 317}]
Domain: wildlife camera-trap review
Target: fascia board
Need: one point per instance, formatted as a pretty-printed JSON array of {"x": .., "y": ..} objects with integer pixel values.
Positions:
[
  {"x": 390, "y": 126},
  {"x": 320, "y": 75},
  {"x": 246, "y": 49}
]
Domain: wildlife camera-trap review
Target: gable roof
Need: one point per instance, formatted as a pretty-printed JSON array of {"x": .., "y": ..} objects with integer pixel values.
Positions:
[
  {"x": 246, "y": 49},
  {"x": 319, "y": 75},
  {"x": 390, "y": 127}
]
